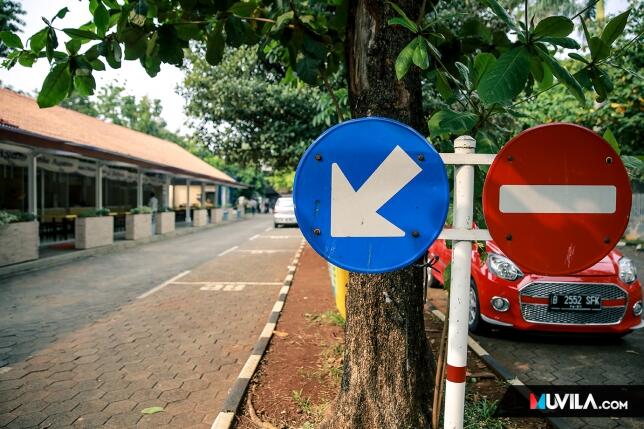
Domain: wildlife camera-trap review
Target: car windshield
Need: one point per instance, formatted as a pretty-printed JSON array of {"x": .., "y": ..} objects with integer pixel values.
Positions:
[{"x": 284, "y": 202}]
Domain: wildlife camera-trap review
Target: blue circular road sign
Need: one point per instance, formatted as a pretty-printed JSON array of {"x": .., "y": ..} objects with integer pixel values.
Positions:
[{"x": 371, "y": 195}]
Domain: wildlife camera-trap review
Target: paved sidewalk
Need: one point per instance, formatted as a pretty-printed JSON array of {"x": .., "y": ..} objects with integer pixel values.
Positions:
[{"x": 178, "y": 348}]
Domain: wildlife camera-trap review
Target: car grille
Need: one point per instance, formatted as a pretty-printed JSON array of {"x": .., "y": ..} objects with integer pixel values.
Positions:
[{"x": 538, "y": 313}]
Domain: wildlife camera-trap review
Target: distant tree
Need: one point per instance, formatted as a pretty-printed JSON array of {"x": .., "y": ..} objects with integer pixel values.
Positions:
[
  {"x": 10, "y": 12},
  {"x": 243, "y": 112}
]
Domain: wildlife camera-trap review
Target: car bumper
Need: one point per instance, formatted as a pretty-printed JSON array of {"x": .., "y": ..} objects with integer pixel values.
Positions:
[
  {"x": 531, "y": 313},
  {"x": 285, "y": 220}
]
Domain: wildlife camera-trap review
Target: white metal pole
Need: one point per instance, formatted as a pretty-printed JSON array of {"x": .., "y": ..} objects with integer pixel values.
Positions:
[
  {"x": 32, "y": 183},
  {"x": 188, "y": 219},
  {"x": 99, "y": 186},
  {"x": 463, "y": 208},
  {"x": 139, "y": 189},
  {"x": 166, "y": 191}
]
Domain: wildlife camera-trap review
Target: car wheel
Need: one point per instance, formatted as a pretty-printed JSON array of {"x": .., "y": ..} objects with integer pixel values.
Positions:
[
  {"x": 276, "y": 225},
  {"x": 474, "y": 322}
]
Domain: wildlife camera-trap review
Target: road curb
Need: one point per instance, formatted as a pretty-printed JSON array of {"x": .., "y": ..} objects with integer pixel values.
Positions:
[
  {"x": 54, "y": 261},
  {"x": 225, "y": 417},
  {"x": 498, "y": 368}
]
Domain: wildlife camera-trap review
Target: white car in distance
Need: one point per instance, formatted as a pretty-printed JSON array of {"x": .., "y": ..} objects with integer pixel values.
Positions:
[{"x": 284, "y": 212}]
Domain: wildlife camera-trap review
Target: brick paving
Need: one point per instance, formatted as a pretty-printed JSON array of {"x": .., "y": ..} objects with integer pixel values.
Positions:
[{"x": 179, "y": 348}]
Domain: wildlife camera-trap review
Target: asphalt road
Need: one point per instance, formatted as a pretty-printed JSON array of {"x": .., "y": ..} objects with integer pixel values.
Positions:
[{"x": 37, "y": 308}]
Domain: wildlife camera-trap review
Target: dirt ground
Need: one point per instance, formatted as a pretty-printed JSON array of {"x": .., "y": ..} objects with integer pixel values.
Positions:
[{"x": 299, "y": 375}]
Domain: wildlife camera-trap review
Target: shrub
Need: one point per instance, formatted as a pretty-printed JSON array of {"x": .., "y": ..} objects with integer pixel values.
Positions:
[
  {"x": 6, "y": 217},
  {"x": 165, "y": 209},
  {"x": 141, "y": 210},
  {"x": 94, "y": 213}
]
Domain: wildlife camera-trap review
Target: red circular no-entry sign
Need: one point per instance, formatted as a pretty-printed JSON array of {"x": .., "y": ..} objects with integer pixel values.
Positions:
[{"x": 556, "y": 199}]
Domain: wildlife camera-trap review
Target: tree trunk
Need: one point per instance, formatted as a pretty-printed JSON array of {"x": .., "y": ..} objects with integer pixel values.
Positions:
[{"x": 388, "y": 372}]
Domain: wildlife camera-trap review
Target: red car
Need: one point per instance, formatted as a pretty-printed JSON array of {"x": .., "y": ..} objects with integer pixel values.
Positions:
[{"x": 605, "y": 298}]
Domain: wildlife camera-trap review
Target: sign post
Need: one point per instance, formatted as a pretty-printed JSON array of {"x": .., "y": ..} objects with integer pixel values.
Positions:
[{"x": 459, "y": 295}]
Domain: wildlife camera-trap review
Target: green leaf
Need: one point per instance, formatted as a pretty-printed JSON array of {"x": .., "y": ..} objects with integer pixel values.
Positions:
[
  {"x": 601, "y": 82},
  {"x": 576, "y": 56},
  {"x": 238, "y": 33},
  {"x": 562, "y": 75},
  {"x": 615, "y": 28},
  {"x": 215, "y": 47},
  {"x": 56, "y": 86},
  {"x": 243, "y": 8},
  {"x": 27, "y": 58},
  {"x": 97, "y": 65},
  {"x": 420, "y": 57},
  {"x": 152, "y": 410},
  {"x": 464, "y": 72},
  {"x": 101, "y": 19},
  {"x": 81, "y": 34},
  {"x": 612, "y": 141},
  {"x": 483, "y": 62},
  {"x": 307, "y": 69},
  {"x": 564, "y": 42},
  {"x": 506, "y": 78},
  {"x": 405, "y": 59},
  {"x": 170, "y": 49},
  {"x": 554, "y": 26},
  {"x": 73, "y": 46},
  {"x": 60, "y": 14},
  {"x": 399, "y": 11},
  {"x": 85, "y": 84},
  {"x": 500, "y": 12},
  {"x": 442, "y": 85},
  {"x": 599, "y": 49},
  {"x": 11, "y": 40},
  {"x": 536, "y": 68},
  {"x": 398, "y": 20},
  {"x": 51, "y": 44},
  {"x": 451, "y": 122},
  {"x": 38, "y": 40}
]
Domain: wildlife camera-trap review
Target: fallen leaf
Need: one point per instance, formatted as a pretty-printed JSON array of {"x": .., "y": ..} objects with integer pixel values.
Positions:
[
  {"x": 152, "y": 410},
  {"x": 632, "y": 351},
  {"x": 280, "y": 333}
]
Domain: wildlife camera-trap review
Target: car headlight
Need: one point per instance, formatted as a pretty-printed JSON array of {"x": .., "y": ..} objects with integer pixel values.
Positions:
[
  {"x": 503, "y": 267},
  {"x": 627, "y": 270}
]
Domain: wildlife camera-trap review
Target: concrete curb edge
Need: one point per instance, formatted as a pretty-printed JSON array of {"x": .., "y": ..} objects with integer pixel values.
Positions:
[
  {"x": 225, "y": 417},
  {"x": 498, "y": 368}
]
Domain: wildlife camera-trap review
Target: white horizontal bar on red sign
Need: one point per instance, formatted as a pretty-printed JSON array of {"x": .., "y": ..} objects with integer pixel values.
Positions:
[
  {"x": 465, "y": 234},
  {"x": 560, "y": 199}
]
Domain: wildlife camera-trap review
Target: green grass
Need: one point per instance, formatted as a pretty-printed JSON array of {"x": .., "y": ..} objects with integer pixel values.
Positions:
[
  {"x": 478, "y": 414},
  {"x": 329, "y": 317},
  {"x": 314, "y": 413}
]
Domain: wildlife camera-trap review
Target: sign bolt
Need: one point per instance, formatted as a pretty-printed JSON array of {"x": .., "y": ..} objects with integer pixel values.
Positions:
[
  {"x": 316, "y": 231},
  {"x": 510, "y": 158},
  {"x": 415, "y": 234},
  {"x": 508, "y": 237},
  {"x": 606, "y": 240},
  {"x": 609, "y": 160},
  {"x": 318, "y": 157},
  {"x": 421, "y": 157}
]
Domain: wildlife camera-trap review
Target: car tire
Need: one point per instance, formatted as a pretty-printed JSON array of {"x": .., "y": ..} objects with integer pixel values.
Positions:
[
  {"x": 276, "y": 225},
  {"x": 475, "y": 324}
]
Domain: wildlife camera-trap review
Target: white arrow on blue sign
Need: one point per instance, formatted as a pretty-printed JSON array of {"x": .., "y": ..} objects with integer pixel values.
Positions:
[{"x": 371, "y": 195}]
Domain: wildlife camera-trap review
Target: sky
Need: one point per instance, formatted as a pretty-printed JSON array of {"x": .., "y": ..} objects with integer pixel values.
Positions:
[{"x": 131, "y": 75}]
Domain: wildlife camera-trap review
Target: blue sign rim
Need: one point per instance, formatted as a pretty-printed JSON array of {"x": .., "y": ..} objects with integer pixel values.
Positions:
[{"x": 310, "y": 236}]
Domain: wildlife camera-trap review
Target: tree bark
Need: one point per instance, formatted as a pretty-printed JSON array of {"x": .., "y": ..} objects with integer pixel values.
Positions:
[{"x": 388, "y": 371}]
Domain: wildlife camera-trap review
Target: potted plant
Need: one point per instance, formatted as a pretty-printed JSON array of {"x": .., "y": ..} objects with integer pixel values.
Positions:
[
  {"x": 199, "y": 215},
  {"x": 18, "y": 238},
  {"x": 164, "y": 220},
  {"x": 138, "y": 223},
  {"x": 94, "y": 228}
]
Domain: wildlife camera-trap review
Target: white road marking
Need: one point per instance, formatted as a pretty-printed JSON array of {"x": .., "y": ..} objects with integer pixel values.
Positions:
[
  {"x": 279, "y": 237},
  {"x": 263, "y": 251},
  {"x": 5, "y": 369},
  {"x": 268, "y": 229},
  {"x": 573, "y": 199},
  {"x": 254, "y": 237},
  {"x": 162, "y": 285},
  {"x": 228, "y": 250},
  {"x": 230, "y": 283}
]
